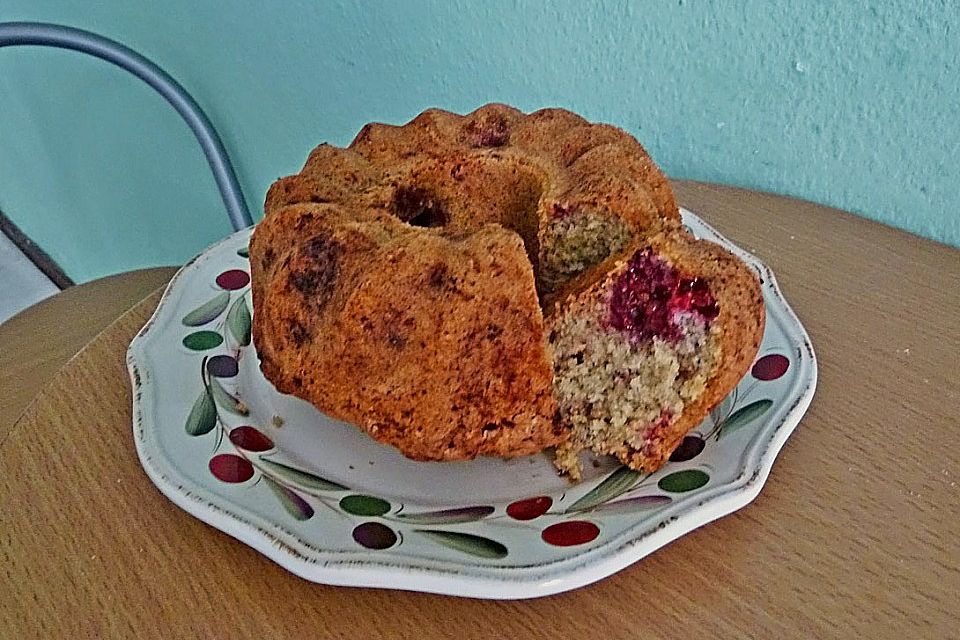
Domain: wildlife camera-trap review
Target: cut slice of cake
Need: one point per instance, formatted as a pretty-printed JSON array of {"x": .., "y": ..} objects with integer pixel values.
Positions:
[{"x": 646, "y": 343}]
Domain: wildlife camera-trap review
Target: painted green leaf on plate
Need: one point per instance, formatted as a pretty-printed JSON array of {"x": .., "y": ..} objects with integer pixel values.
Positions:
[
  {"x": 295, "y": 505},
  {"x": 238, "y": 321},
  {"x": 683, "y": 481},
  {"x": 202, "y": 340},
  {"x": 744, "y": 416},
  {"x": 466, "y": 543},
  {"x": 208, "y": 310},
  {"x": 243, "y": 252},
  {"x": 223, "y": 399},
  {"x": 361, "y": 505},
  {"x": 203, "y": 415},
  {"x": 617, "y": 483},
  {"x": 447, "y": 516},
  {"x": 633, "y": 505},
  {"x": 301, "y": 478}
]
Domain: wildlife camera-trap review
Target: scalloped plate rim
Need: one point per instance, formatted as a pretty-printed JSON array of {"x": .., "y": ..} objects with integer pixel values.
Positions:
[{"x": 449, "y": 578}]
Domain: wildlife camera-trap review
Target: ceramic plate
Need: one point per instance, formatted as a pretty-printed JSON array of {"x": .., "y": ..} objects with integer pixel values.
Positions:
[{"x": 331, "y": 505}]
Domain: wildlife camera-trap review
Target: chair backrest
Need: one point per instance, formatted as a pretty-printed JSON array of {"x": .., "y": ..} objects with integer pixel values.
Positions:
[{"x": 59, "y": 36}]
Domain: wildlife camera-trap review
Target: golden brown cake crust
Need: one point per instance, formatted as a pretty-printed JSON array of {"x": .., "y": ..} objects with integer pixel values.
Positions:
[
  {"x": 396, "y": 281},
  {"x": 494, "y": 165},
  {"x": 391, "y": 329}
]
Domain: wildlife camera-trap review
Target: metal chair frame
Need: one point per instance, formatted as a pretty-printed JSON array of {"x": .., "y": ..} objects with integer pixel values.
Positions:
[{"x": 62, "y": 37}]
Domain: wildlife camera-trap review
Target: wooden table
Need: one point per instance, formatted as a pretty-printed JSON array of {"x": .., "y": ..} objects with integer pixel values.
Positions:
[
  {"x": 856, "y": 534},
  {"x": 36, "y": 343}
]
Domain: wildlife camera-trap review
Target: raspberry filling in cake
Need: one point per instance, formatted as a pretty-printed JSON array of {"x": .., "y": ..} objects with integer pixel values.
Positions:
[
  {"x": 630, "y": 357},
  {"x": 651, "y": 300}
]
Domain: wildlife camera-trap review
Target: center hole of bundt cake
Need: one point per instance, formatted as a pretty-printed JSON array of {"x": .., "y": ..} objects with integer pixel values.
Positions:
[
  {"x": 467, "y": 192},
  {"x": 419, "y": 208},
  {"x": 497, "y": 188},
  {"x": 520, "y": 215},
  {"x": 650, "y": 299}
]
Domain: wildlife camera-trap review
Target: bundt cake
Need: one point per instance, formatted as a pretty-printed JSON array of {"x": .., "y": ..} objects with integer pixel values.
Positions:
[{"x": 497, "y": 283}]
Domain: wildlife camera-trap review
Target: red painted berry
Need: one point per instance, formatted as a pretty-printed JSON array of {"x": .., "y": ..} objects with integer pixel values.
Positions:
[
  {"x": 228, "y": 467},
  {"x": 770, "y": 367},
  {"x": 249, "y": 439},
  {"x": 530, "y": 508},
  {"x": 233, "y": 279},
  {"x": 571, "y": 533}
]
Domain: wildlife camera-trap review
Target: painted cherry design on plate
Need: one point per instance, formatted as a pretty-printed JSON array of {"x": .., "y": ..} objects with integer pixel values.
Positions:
[
  {"x": 223, "y": 366},
  {"x": 770, "y": 367},
  {"x": 233, "y": 279},
  {"x": 530, "y": 508},
  {"x": 228, "y": 467},
  {"x": 374, "y": 535},
  {"x": 250, "y": 439},
  {"x": 570, "y": 533},
  {"x": 690, "y": 447}
]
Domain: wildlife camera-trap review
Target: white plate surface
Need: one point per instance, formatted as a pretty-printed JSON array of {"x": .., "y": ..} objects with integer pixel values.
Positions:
[{"x": 325, "y": 501}]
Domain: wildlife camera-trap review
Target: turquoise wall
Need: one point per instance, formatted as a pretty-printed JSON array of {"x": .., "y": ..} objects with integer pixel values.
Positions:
[{"x": 854, "y": 104}]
